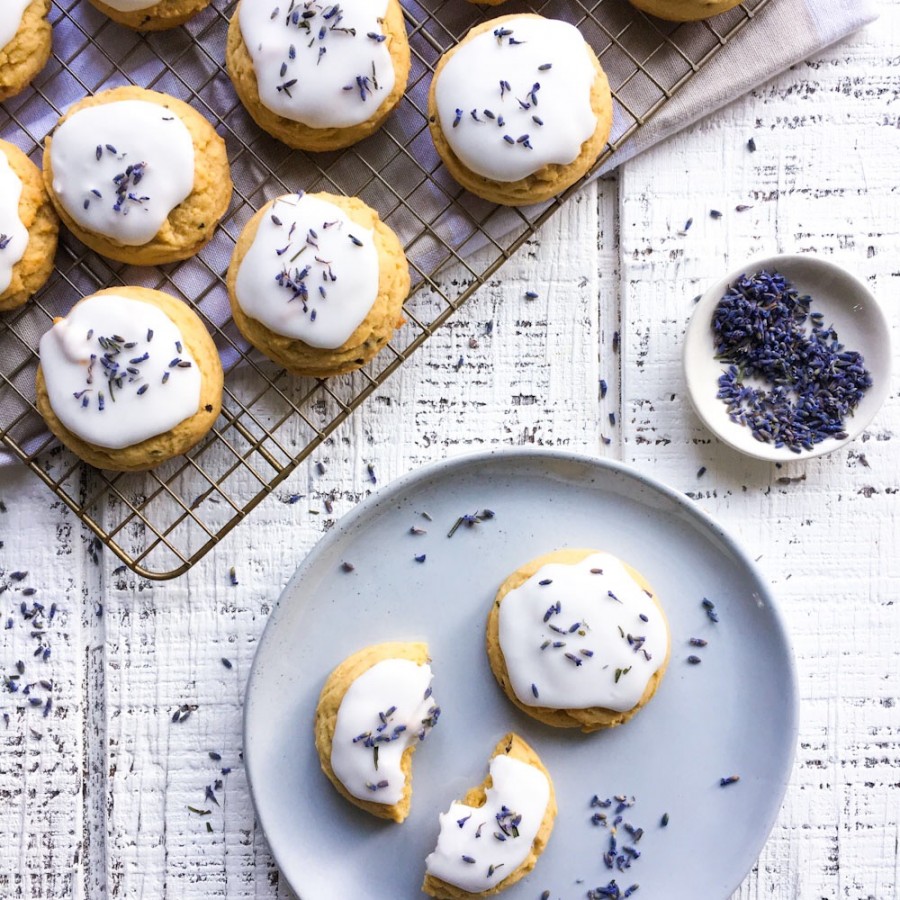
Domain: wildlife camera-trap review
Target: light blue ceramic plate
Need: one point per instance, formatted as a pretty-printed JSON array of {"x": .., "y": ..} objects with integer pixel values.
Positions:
[{"x": 734, "y": 714}]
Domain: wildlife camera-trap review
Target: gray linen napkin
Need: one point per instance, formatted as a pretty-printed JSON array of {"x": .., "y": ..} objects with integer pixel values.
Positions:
[
  {"x": 785, "y": 33},
  {"x": 782, "y": 34}
]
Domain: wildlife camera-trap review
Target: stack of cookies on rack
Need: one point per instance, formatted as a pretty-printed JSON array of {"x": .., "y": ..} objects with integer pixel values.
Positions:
[{"x": 519, "y": 110}]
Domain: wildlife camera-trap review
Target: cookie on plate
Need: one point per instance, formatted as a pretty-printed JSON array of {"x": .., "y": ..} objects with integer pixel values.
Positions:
[
  {"x": 28, "y": 228},
  {"x": 318, "y": 76},
  {"x": 376, "y": 707},
  {"x": 578, "y": 639},
  {"x": 150, "y": 15},
  {"x": 520, "y": 109},
  {"x": 129, "y": 379},
  {"x": 25, "y": 42},
  {"x": 317, "y": 283},
  {"x": 684, "y": 10},
  {"x": 138, "y": 176},
  {"x": 516, "y": 801}
]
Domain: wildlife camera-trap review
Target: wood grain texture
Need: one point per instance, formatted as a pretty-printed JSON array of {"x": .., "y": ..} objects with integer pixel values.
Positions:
[{"x": 98, "y": 806}]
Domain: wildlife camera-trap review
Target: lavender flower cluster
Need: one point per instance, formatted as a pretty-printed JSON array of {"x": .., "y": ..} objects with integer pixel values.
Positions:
[{"x": 803, "y": 383}]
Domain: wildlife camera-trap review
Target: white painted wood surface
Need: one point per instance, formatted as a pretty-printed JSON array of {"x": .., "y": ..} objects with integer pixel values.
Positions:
[{"x": 94, "y": 797}]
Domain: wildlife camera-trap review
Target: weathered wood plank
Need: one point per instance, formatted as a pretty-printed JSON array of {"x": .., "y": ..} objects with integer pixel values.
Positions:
[{"x": 822, "y": 531}]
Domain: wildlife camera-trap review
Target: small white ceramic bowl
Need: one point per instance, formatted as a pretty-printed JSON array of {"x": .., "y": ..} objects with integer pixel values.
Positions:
[{"x": 847, "y": 305}]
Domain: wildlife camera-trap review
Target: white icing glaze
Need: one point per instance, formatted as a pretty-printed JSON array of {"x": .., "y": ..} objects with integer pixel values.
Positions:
[
  {"x": 519, "y": 791},
  {"x": 10, "y": 19},
  {"x": 540, "y": 115},
  {"x": 141, "y": 397},
  {"x": 314, "y": 276},
  {"x": 611, "y": 637},
  {"x": 384, "y": 709},
  {"x": 130, "y": 5},
  {"x": 138, "y": 156},
  {"x": 13, "y": 234},
  {"x": 310, "y": 67}
]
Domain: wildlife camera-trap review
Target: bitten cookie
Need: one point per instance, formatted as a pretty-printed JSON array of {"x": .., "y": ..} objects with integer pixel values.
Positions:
[
  {"x": 138, "y": 176},
  {"x": 684, "y": 10},
  {"x": 495, "y": 834},
  {"x": 317, "y": 283},
  {"x": 150, "y": 15},
  {"x": 129, "y": 379},
  {"x": 578, "y": 639},
  {"x": 376, "y": 707},
  {"x": 520, "y": 109},
  {"x": 318, "y": 76},
  {"x": 25, "y": 42},
  {"x": 28, "y": 228}
]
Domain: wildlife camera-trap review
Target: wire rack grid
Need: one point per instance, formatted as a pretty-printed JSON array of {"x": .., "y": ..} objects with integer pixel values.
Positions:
[{"x": 161, "y": 522}]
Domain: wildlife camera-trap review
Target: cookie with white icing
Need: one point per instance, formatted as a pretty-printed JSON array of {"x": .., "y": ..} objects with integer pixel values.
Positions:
[
  {"x": 28, "y": 228},
  {"x": 578, "y": 639},
  {"x": 376, "y": 707},
  {"x": 317, "y": 283},
  {"x": 318, "y": 75},
  {"x": 520, "y": 109},
  {"x": 685, "y": 10},
  {"x": 138, "y": 176},
  {"x": 129, "y": 378},
  {"x": 150, "y": 15},
  {"x": 25, "y": 43},
  {"x": 493, "y": 836}
]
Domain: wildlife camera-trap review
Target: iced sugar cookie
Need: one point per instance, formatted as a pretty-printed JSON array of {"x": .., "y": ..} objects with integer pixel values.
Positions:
[
  {"x": 685, "y": 10},
  {"x": 138, "y": 176},
  {"x": 28, "y": 228},
  {"x": 376, "y": 707},
  {"x": 129, "y": 378},
  {"x": 578, "y": 639},
  {"x": 150, "y": 15},
  {"x": 520, "y": 109},
  {"x": 318, "y": 75},
  {"x": 495, "y": 834},
  {"x": 25, "y": 41},
  {"x": 317, "y": 283}
]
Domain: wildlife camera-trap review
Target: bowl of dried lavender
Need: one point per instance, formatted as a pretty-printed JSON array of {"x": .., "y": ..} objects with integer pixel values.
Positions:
[{"x": 787, "y": 357}]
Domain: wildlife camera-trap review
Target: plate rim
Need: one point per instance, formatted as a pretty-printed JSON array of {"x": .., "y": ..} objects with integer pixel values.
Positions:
[
  {"x": 704, "y": 306},
  {"x": 519, "y": 455}
]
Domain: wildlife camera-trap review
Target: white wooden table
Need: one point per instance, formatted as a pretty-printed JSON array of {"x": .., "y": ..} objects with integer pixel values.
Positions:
[{"x": 95, "y": 796}]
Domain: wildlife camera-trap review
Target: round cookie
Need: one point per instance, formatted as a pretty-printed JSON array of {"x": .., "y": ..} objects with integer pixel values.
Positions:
[
  {"x": 517, "y": 801},
  {"x": 150, "y": 15},
  {"x": 684, "y": 10},
  {"x": 578, "y": 639},
  {"x": 319, "y": 76},
  {"x": 28, "y": 228},
  {"x": 129, "y": 379},
  {"x": 376, "y": 707},
  {"x": 138, "y": 176},
  {"x": 520, "y": 109},
  {"x": 317, "y": 283},
  {"x": 25, "y": 43}
]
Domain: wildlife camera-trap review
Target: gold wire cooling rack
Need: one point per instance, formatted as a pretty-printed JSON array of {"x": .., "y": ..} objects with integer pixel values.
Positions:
[{"x": 162, "y": 522}]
